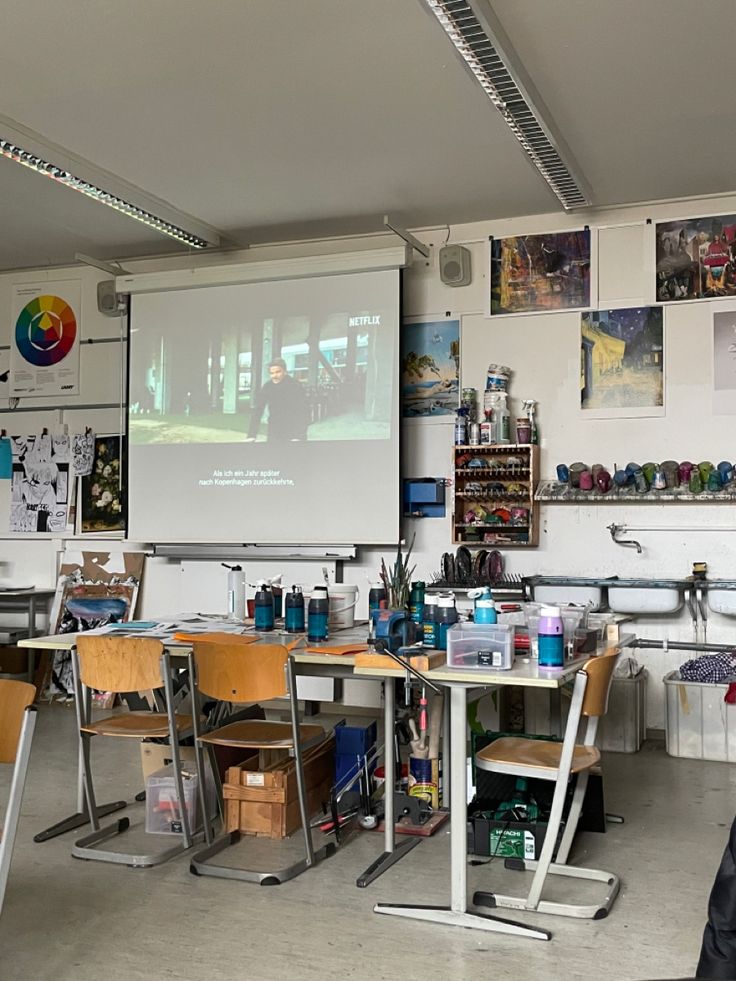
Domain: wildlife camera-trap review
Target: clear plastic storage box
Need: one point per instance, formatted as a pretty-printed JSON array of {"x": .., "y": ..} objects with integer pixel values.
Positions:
[
  {"x": 485, "y": 646},
  {"x": 163, "y": 815}
]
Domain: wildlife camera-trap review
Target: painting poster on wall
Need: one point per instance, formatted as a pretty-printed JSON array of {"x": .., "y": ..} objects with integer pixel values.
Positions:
[
  {"x": 430, "y": 360},
  {"x": 696, "y": 258},
  {"x": 102, "y": 491},
  {"x": 40, "y": 484},
  {"x": 622, "y": 362},
  {"x": 538, "y": 273},
  {"x": 44, "y": 341},
  {"x": 724, "y": 361}
]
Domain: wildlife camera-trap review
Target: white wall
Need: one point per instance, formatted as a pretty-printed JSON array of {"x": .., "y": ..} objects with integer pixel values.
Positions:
[{"x": 543, "y": 351}]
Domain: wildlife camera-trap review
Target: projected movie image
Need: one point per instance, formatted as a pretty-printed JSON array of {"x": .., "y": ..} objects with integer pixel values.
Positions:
[{"x": 265, "y": 380}]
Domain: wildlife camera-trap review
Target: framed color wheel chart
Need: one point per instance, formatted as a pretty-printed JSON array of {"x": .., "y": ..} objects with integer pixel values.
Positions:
[{"x": 44, "y": 342}]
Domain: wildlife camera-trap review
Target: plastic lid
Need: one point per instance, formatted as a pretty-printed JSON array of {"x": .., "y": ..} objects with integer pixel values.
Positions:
[
  {"x": 377, "y": 585},
  {"x": 419, "y": 584},
  {"x": 430, "y": 600},
  {"x": 446, "y": 602},
  {"x": 550, "y": 611},
  {"x": 319, "y": 589}
]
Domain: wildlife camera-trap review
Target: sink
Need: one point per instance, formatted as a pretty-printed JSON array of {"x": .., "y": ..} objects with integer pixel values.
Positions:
[
  {"x": 561, "y": 594},
  {"x": 646, "y": 599},
  {"x": 722, "y": 601}
]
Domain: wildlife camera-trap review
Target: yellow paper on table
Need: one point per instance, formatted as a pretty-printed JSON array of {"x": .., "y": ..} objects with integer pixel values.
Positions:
[
  {"x": 216, "y": 637},
  {"x": 338, "y": 650}
]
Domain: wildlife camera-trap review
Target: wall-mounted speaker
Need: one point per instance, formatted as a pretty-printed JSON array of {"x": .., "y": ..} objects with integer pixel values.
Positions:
[
  {"x": 109, "y": 302},
  {"x": 455, "y": 265}
]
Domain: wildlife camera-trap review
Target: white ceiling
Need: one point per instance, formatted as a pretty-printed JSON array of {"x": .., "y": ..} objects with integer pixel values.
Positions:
[{"x": 276, "y": 118}]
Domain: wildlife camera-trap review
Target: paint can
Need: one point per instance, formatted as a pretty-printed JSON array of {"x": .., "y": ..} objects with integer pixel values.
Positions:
[
  {"x": 424, "y": 780},
  {"x": 343, "y": 600},
  {"x": 497, "y": 379}
]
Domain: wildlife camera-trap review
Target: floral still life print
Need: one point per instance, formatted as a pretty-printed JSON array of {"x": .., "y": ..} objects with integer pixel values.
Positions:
[{"x": 103, "y": 494}]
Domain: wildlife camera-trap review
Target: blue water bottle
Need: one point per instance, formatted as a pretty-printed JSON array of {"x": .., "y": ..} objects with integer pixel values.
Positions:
[
  {"x": 416, "y": 602},
  {"x": 318, "y": 614},
  {"x": 263, "y": 604},
  {"x": 446, "y": 617},
  {"x": 294, "y": 611},
  {"x": 485, "y": 611}
]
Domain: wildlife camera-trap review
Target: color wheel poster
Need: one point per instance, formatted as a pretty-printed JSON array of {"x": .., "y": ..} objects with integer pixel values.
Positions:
[{"x": 44, "y": 345}]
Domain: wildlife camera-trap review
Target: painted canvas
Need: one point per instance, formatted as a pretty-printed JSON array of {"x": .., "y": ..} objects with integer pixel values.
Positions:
[
  {"x": 102, "y": 491},
  {"x": 92, "y": 590},
  {"x": 430, "y": 358},
  {"x": 696, "y": 258},
  {"x": 533, "y": 273},
  {"x": 622, "y": 362}
]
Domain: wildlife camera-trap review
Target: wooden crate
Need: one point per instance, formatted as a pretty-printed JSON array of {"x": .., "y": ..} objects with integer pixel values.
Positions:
[{"x": 261, "y": 799}]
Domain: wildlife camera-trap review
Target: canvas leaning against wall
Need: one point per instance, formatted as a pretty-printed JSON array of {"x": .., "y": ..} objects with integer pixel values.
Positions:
[
  {"x": 537, "y": 273},
  {"x": 622, "y": 362},
  {"x": 430, "y": 368},
  {"x": 696, "y": 258}
]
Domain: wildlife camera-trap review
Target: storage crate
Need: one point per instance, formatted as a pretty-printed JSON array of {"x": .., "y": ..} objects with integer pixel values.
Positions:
[
  {"x": 624, "y": 726},
  {"x": 265, "y": 802},
  {"x": 163, "y": 814},
  {"x": 466, "y": 640},
  {"x": 699, "y": 724}
]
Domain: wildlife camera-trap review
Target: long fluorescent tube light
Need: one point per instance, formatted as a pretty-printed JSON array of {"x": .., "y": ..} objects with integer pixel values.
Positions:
[
  {"x": 479, "y": 40},
  {"x": 26, "y": 147},
  {"x": 267, "y": 270}
]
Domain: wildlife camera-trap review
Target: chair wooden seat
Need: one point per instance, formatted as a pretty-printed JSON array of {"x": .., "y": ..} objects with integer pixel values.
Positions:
[
  {"x": 137, "y": 724},
  {"x": 258, "y": 734},
  {"x": 534, "y": 754}
]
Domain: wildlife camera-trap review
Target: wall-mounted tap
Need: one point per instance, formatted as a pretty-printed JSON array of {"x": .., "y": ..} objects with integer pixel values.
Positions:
[{"x": 626, "y": 542}]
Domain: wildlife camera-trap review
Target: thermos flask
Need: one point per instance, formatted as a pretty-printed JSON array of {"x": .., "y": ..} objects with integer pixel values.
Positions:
[
  {"x": 317, "y": 615},
  {"x": 294, "y": 611},
  {"x": 263, "y": 607},
  {"x": 235, "y": 592}
]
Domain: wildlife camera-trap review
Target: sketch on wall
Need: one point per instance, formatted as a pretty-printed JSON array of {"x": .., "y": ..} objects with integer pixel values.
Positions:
[
  {"x": 40, "y": 483},
  {"x": 622, "y": 362},
  {"x": 538, "y": 273},
  {"x": 430, "y": 368}
]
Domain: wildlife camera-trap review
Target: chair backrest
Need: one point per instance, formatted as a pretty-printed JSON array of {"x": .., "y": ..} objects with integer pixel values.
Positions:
[
  {"x": 234, "y": 673},
  {"x": 120, "y": 664},
  {"x": 600, "y": 672},
  {"x": 15, "y": 697}
]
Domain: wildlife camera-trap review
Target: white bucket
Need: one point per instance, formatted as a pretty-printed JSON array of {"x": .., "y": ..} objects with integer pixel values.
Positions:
[{"x": 343, "y": 600}]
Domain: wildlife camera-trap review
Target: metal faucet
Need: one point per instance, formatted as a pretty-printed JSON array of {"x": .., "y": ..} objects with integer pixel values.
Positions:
[{"x": 626, "y": 542}]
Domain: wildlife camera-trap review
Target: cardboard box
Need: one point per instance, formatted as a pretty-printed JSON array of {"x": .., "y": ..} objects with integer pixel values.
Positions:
[{"x": 261, "y": 798}]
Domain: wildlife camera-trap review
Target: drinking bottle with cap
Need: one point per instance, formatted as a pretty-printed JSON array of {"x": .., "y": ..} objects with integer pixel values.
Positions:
[
  {"x": 235, "y": 592},
  {"x": 318, "y": 613},
  {"x": 446, "y": 617},
  {"x": 263, "y": 607},
  {"x": 416, "y": 602}
]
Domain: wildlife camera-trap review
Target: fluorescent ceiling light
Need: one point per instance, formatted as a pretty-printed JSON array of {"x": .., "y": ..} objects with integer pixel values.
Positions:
[
  {"x": 24, "y": 146},
  {"x": 480, "y": 41}
]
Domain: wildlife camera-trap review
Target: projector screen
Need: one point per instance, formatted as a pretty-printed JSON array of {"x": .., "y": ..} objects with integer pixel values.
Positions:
[{"x": 266, "y": 413}]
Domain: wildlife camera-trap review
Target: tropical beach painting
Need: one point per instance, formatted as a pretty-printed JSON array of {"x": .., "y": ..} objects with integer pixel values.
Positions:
[{"x": 430, "y": 359}]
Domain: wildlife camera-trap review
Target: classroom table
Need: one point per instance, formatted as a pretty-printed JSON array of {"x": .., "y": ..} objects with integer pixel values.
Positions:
[
  {"x": 459, "y": 681},
  {"x": 25, "y": 601}
]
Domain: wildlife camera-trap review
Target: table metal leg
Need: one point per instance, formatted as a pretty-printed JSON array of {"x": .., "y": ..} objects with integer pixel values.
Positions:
[
  {"x": 31, "y": 633},
  {"x": 393, "y": 851},
  {"x": 446, "y": 751},
  {"x": 456, "y": 914}
]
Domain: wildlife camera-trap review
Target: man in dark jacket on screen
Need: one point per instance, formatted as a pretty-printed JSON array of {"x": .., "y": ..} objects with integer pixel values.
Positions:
[{"x": 287, "y": 406}]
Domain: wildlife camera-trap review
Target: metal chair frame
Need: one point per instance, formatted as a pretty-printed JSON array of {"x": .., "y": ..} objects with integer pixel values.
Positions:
[
  {"x": 85, "y": 848},
  {"x": 544, "y": 866},
  {"x": 200, "y": 863},
  {"x": 20, "y": 758}
]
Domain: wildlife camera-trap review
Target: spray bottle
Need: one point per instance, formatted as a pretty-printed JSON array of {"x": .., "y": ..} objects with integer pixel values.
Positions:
[
  {"x": 235, "y": 592},
  {"x": 263, "y": 606},
  {"x": 529, "y": 407},
  {"x": 294, "y": 611}
]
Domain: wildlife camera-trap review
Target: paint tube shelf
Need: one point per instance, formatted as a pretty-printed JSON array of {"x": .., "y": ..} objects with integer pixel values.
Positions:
[
  {"x": 481, "y": 490},
  {"x": 553, "y": 492}
]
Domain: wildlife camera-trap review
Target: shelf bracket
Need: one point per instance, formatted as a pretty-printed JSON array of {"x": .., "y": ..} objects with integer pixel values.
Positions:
[{"x": 410, "y": 239}]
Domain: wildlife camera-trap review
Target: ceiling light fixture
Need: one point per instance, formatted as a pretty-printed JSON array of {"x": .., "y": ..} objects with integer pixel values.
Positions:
[
  {"x": 40, "y": 166},
  {"x": 481, "y": 43}
]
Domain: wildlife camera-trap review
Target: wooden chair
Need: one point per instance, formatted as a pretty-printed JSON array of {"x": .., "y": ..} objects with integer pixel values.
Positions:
[
  {"x": 126, "y": 664},
  {"x": 558, "y": 761},
  {"x": 17, "y": 723},
  {"x": 238, "y": 674}
]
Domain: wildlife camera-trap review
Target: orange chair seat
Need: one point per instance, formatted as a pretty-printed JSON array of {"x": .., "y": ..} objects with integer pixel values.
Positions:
[
  {"x": 537, "y": 753},
  {"x": 261, "y": 735},
  {"x": 137, "y": 724}
]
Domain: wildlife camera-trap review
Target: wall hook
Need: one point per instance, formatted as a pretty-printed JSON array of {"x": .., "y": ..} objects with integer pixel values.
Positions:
[{"x": 625, "y": 542}]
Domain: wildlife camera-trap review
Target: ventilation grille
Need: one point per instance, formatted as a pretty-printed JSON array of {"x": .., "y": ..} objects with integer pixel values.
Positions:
[{"x": 477, "y": 49}]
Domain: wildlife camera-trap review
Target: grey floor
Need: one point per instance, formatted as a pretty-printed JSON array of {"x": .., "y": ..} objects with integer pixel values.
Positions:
[{"x": 69, "y": 919}]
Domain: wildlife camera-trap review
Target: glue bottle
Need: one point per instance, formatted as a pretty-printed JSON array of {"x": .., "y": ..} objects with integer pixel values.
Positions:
[
  {"x": 551, "y": 638},
  {"x": 294, "y": 611},
  {"x": 263, "y": 607},
  {"x": 235, "y": 592},
  {"x": 318, "y": 614}
]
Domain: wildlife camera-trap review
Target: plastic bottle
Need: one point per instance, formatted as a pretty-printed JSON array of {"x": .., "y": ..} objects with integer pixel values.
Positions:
[
  {"x": 377, "y": 598},
  {"x": 551, "y": 638},
  {"x": 294, "y": 611},
  {"x": 235, "y": 592},
  {"x": 485, "y": 611},
  {"x": 416, "y": 601},
  {"x": 430, "y": 628},
  {"x": 446, "y": 617},
  {"x": 504, "y": 419},
  {"x": 318, "y": 614},
  {"x": 263, "y": 607}
]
